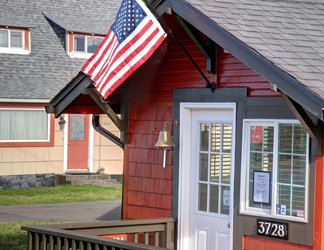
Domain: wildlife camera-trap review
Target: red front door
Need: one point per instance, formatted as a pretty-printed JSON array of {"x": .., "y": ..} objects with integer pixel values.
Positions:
[{"x": 78, "y": 134}]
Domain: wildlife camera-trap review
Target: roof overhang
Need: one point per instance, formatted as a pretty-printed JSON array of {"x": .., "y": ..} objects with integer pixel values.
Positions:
[{"x": 286, "y": 84}]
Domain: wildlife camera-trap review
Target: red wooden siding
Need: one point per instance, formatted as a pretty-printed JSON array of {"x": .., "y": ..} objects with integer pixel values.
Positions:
[
  {"x": 233, "y": 73},
  {"x": 253, "y": 243},
  {"x": 319, "y": 202},
  {"x": 147, "y": 185}
]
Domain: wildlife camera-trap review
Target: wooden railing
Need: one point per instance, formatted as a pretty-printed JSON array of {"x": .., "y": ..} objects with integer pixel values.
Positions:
[{"x": 156, "y": 234}]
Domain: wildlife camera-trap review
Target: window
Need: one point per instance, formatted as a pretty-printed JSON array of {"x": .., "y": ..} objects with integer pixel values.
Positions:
[
  {"x": 277, "y": 149},
  {"x": 14, "y": 41},
  {"x": 84, "y": 46},
  {"x": 25, "y": 127}
]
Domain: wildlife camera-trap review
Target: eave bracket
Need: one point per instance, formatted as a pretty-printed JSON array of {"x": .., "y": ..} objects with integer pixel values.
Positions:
[
  {"x": 314, "y": 130},
  {"x": 208, "y": 49},
  {"x": 95, "y": 95}
]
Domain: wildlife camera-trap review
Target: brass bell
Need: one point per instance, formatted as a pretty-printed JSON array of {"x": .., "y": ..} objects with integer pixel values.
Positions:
[
  {"x": 164, "y": 141},
  {"x": 164, "y": 138}
]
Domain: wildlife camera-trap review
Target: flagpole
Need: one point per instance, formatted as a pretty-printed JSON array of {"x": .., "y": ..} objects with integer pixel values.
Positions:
[{"x": 210, "y": 85}]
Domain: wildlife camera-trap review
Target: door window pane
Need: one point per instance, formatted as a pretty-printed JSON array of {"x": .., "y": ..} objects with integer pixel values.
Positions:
[
  {"x": 214, "y": 167},
  {"x": 203, "y": 167},
  {"x": 216, "y": 137},
  {"x": 225, "y": 200},
  {"x": 77, "y": 127},
  {"x": 226, "y": 169},
  {"x": 202, "y": 197},
  {"x": 204, "y": 137},
  {"x": 227, "y": 138},
  {"x": 213, "y": 205}
]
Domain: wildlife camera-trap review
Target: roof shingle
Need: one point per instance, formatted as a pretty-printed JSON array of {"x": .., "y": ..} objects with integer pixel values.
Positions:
[
  {"x": 290, "y": 34},
  {"x": 48, "y": 68}
]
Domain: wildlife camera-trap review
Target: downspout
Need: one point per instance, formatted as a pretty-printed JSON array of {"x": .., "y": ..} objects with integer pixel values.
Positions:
[{"x": 104, "y": 132}]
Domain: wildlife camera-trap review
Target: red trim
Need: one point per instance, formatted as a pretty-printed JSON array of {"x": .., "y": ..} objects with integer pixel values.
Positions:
[
  {"x": 252, "y": 242},
  {"x": 319, "y": 203},
  {"x": 26, "y": 36},
  {"x": 70, "y": 42},
  {"x": 49, "y": 143},
  {"x": 125, "y": 182}
]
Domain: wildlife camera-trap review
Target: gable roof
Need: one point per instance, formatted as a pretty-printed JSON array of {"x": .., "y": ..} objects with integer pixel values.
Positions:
[
  {"x": 48, "y": 68},
  {"x": 281, "y": 40}
]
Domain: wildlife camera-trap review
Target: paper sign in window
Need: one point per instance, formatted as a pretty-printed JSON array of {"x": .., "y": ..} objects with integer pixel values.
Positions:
[{"x": 261, "y": 187}]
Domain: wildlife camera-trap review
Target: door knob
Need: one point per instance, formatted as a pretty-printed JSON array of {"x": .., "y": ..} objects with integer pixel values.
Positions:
[{"x": 229, "y": 225}]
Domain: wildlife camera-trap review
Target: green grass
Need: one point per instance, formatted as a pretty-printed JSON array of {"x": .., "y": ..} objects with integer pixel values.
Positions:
[
  {"x": 13, "y": 238},
  {"x": 11, "y": 235},
  {"x": 59, "y": 194}
]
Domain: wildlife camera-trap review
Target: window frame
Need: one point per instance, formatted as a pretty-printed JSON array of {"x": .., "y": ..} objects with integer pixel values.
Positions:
[
  {"x": 245, "y": 168},
  {"x": 49, "y": 142},
  {"x": 79, "y": 54},
  {"x": 25, "y": 39}
]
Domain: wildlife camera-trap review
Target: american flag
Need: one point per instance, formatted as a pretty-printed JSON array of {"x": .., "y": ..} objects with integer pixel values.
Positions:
[{"x": 130, "y": 41}]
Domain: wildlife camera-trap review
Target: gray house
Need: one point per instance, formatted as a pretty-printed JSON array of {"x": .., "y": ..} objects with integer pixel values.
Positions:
[{"x": 43, "y": 44}]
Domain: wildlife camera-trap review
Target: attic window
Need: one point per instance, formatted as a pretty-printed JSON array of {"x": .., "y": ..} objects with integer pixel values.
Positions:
[
  {"x": 83, "y": 46},
  {"x": 14, "y": 40}
]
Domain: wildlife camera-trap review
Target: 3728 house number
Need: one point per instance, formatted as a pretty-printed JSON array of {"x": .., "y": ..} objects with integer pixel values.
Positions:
[{"x": 272, "y": 229}]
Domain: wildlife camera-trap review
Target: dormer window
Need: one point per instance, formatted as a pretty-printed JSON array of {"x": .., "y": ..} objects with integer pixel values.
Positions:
[
  {"x": 14, "y": 41},
  {"x": 83, "y": 46}
]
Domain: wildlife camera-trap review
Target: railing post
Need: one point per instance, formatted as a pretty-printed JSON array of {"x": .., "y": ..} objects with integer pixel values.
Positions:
[
  {"x": 58, "y": 242},
  {"x": 81, "y": 245},
  {"x": 89, "y": 246},
  {"x": 44, "y": 241},
  {"x": 37, "y": 242},
  {"x": 66, "y": 243},
  {"x": 51, "y": 243},
  {"x": 156, "y": 239},
  {"x": 169, "y": 235},
  {"x": 30, "y": 240}
]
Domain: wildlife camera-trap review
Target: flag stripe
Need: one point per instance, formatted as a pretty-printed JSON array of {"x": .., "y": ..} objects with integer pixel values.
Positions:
[
  {"x": 127, "y": 53},
  {"x": 95, "y": 63},
  {"x": 131, "y": 40},
  {"x": 132, "y": 65}
]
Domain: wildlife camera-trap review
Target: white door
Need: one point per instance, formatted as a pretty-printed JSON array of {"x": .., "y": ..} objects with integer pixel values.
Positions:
[{"x": 206, "y": 173}]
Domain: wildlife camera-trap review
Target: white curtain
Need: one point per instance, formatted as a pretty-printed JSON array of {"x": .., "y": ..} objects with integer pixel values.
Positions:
[
  {"x": 16, "y": 39},
  {"x": 4, "y": 38},
  {"x": 23, "y": 125}
]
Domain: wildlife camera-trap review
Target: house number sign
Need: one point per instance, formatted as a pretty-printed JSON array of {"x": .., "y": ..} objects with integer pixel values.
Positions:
[{"x": 273, "y": 229}]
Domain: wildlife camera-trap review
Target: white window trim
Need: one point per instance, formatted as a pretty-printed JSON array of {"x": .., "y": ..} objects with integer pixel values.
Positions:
[
  {"x": 80, "y": 54},
  {"x": 19, "y": 51},
  {"x": 48, "y": 126},
  {"x": 244, "y": 196}
]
